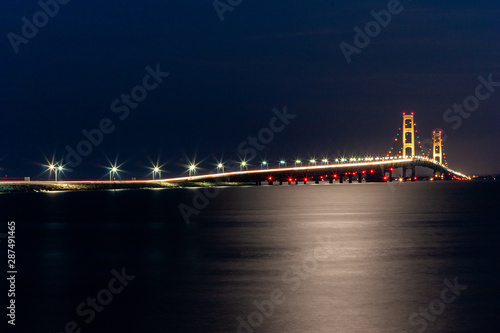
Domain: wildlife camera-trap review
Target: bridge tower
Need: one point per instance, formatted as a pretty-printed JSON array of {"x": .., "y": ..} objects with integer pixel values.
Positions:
[
  {"x": 437, "y": 147},
  {"x": 408, "y": 129}
]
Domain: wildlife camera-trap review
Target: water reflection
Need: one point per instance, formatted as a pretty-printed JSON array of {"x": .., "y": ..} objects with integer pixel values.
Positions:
[{"x": 265, "y": 259}]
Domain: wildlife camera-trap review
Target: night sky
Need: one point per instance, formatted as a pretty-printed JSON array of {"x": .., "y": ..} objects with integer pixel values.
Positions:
[{"x": 226, "y": 77}]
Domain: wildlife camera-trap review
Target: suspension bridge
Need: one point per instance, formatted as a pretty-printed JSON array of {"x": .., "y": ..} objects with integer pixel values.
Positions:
[
  {"x": 402, "y": 155},
  {"x": 402, "y": 159}
]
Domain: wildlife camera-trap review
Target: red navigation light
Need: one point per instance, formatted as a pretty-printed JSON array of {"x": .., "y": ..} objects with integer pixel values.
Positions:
[
  {"x": 270, "y": 178},
  {"x": 321, "y": 177},
  {"x": 392, "y": 169},
  {"x": 412, "y": 113},
  {"x": 385, "y": 177},
  {"x": 404, "y": 113},
  {"x": 363, "y": 172},
  {"x": 371, "y": 171},
  {"x": 289, "y": 179},
  {"x": 414, "y": 178},
  {"x": 305, "y": 179},
  {"x": 335, "y": 176}
]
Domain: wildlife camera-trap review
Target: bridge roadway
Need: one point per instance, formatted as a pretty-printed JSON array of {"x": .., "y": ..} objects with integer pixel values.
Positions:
[{"x": 372, "y": 170}]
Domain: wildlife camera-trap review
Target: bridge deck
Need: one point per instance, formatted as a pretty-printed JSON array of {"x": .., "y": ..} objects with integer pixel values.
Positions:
[{"x": 277, "y": 172}]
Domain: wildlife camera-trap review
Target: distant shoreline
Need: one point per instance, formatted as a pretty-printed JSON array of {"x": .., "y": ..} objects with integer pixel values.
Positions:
[
  {"x": 103, "y": 186},
  {"x": 57, "y": 187}
]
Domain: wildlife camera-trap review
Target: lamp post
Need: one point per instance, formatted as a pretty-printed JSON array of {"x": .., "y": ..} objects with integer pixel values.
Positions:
[
  {"x": 243, "y": 165},
  {"x": 282, "y": 163},
  {"x": 60, "y": 169},
  {"x": 298, "y": 162},
  {"x": 158, "y": 171},
  {"x": 264, "y": 164},
  {"x": 192, "y": 170},
  {"x": 113, "y": 170},
  {"x": 220, "y": 168},
  {"x": 53, "y": 168}
]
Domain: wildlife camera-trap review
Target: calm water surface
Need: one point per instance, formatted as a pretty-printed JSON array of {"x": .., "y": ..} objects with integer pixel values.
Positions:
[{"x": 314, "y": 258}]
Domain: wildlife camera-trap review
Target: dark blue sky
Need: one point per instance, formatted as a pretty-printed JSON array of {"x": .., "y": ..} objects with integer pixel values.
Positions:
[{"x": 226, "y": 77}]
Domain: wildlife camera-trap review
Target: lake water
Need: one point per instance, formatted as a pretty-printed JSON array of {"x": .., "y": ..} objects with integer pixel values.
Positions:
[{"x": 379, "y": 257}]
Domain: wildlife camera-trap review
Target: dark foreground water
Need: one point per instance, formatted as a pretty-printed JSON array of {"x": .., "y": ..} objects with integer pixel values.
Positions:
[{"x": 415, "y": 257}]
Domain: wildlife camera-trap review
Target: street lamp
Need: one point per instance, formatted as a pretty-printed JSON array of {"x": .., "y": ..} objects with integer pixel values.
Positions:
[
  {"x": 158, "y": 171},
  {"x": 52, "y": 167},
  {"x": 264, "y": 164},
  {"x": 220, "y": 168},
  {"x": 192, "y": 170},
  {"x": 312, "y": 162},
  {"x": 324, "y": 161},
  {"x": 60, "y": 169},
  {"x": 113, "y": 170},
  {"x": 243, "y": 165},
  {"x": 298, "y": 162},
  {"x": 282, "y": 163}
]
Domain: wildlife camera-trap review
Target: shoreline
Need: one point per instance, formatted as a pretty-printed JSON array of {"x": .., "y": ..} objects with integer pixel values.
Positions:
[
  {"x": 136, "y": 185},
  {"x": 58, "y": 187}
]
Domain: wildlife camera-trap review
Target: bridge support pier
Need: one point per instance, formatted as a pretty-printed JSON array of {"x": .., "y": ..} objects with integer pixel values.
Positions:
[
  {"x": 341, "y": 179},
  {"x": 360, "y": 178},
  {"x": 296, "y": 181},
  {"x": 404, "y": 173},
  {"x": 350, "y": 179},
  {"x": 413, "y": 173},
  {"x": 281, "y": 181},
  {"x": 331, "y": 181},
  {"x": 257, "y": 182},
  {"x": 316, "y": 182},
  {"x": 305, "y": 181}
]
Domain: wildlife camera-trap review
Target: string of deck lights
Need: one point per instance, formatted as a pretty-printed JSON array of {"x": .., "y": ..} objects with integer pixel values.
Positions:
[
  {"x": 192, "y": 167},
  {"x": 114, "y": 169}
]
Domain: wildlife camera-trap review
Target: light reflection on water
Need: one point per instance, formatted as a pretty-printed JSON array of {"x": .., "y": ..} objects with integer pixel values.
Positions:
[{"x": 344, "y": 258}]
